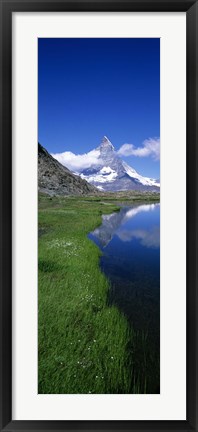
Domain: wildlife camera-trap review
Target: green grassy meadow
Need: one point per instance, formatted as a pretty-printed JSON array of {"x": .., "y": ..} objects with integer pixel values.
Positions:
[{"x": 85, "y": 345}]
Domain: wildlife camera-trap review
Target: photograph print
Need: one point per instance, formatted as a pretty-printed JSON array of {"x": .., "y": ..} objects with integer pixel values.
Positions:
[{"x": 98, "y": 216}]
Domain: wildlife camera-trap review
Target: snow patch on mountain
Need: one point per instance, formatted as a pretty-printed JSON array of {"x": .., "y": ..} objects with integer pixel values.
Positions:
[
  {"x": 146, "y": 181},
  {"x": 105, "y": 174}
]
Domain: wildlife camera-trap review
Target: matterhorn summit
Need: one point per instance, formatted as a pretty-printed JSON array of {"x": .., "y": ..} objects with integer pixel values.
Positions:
[
  {"x": 113, "y": 174},
  {"x": 106, "y": 144}
]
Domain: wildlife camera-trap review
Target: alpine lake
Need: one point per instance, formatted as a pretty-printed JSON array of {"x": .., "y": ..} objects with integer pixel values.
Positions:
[{"x": 130, "y": 244}]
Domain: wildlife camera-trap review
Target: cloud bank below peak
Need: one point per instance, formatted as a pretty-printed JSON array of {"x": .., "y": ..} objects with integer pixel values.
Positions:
[{"x": 80, "y": 161}]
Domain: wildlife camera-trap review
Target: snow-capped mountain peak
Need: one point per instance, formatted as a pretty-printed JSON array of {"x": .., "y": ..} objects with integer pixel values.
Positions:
[
  {"x": 106, "y": 144},
  {"x": 103, "y": 168},
  {"x": 113, "y": 174}
]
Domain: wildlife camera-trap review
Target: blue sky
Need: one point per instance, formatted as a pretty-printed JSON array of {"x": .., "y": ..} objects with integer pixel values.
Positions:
[{"x": 88, "y": 88}]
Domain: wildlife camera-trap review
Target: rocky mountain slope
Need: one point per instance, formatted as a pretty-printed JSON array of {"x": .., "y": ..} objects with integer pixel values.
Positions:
[
  {"x": 55, "y": 179},
  {"x": 113, "y": 174}
]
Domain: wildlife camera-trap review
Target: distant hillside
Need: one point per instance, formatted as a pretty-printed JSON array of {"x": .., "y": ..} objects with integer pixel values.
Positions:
[{"x": 55, "y": 179}]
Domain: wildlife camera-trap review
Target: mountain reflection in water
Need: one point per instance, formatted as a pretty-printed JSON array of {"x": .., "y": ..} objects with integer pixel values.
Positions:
[
  {"x": 115, "y": 224},
  {"x": 130, "y": 242}
]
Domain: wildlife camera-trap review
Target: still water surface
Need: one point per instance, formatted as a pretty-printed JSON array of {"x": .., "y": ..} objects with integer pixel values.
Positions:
[{"x": 130, "y": 245}]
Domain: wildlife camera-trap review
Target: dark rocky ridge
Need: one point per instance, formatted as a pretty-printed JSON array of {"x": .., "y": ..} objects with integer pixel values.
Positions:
[{"x": 55, "y": 179}]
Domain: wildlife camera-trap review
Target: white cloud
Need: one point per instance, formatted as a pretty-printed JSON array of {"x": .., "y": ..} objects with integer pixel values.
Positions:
[
  {"x": 151, "y": 147},
  {"x": 78, "y": 162}
]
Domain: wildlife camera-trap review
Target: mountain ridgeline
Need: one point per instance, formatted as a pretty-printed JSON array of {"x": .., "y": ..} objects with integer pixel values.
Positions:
[{"x": 55, "y": 179}]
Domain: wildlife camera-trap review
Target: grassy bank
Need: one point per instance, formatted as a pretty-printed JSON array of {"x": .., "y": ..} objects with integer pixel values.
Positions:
[
  {"x": 83, "y": 343},
  {"x": 85, "y": 346}
]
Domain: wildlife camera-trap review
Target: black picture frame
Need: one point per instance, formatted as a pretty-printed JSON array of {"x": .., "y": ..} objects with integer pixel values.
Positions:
[{"x": 7, "y": 7}]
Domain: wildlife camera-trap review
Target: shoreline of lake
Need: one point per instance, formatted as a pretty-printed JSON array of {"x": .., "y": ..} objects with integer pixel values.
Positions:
[{"x": 94, "y": 354}]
